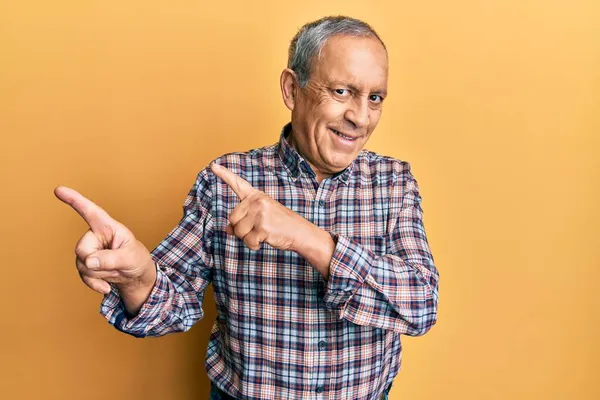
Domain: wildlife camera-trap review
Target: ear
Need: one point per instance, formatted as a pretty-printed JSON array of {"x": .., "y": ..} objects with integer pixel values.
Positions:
[{"x": 289, "y": 86}]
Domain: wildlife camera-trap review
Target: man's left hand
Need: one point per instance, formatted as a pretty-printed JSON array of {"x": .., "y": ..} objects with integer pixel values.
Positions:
[{"x": 261, "y": 219}]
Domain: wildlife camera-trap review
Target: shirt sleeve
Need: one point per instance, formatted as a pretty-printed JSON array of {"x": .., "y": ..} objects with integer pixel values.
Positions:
[
  {"x": 184, "y": 270},
  {"x": 396, "y": 291}
]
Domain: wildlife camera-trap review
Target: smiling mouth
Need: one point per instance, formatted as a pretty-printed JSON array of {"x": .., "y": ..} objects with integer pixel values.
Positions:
[{"x": 342, "y": 135}]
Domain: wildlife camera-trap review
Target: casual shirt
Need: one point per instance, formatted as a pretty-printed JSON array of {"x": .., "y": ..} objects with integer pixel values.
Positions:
[{"x": 282, "y": 331}]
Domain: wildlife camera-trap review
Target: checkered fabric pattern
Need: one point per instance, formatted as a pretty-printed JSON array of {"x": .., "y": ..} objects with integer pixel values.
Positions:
[{"x": 282, "y": 331}]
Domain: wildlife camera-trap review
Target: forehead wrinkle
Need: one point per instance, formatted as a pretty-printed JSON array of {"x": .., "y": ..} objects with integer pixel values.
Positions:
[
  {"x": 344, "y": 75},
  {"x": 328, "y": 70},
  {"x": 329, "y": 44}
]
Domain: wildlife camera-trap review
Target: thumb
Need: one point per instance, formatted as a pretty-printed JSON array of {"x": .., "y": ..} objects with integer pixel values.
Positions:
[
  {"x": 94, "y": 216},
  {"x": 108, "y": 260}
]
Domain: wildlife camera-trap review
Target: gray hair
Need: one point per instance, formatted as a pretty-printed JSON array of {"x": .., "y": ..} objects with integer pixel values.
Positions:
[{"x": 311, "y": 38}]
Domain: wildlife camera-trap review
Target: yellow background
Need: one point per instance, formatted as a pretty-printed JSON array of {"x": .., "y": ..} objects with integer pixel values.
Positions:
[{"x": 496, "y": 104}]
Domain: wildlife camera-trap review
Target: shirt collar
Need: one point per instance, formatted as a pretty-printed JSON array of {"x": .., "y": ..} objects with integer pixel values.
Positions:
[{"x": 296, "y": 164}]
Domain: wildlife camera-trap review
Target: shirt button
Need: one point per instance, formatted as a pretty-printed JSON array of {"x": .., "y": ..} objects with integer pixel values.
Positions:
[
  {"x": 321, "y": 203},
  {"x": 320, "y": 389},
  {"x": 322, "y": 344}
]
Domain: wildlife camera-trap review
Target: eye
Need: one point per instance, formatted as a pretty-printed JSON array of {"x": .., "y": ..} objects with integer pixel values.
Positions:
[
  {"x": 375, "y": 98},
  {"x": 341, "y": 92}
]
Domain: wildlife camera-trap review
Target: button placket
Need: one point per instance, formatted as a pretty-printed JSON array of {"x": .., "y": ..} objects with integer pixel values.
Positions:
[{"x": 320, "y": 215}]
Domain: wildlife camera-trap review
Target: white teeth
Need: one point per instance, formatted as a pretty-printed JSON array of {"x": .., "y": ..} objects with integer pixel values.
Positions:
[{"x": 340, "y": 135}]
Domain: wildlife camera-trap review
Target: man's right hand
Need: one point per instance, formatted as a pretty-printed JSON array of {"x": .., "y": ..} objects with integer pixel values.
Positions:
[{"x": 109, "y": 253}]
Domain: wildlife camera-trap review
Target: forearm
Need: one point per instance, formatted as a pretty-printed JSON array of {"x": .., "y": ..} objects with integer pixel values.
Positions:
[
  {"x": 316, "y": 246},
  {"x": 135, "y": 295},
  {"x": 173, "y": 305},
  {"x": 384, "y": 291}
]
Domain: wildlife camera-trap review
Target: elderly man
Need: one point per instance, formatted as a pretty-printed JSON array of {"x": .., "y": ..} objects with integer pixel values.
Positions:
[{"x": 316, "y": 248}]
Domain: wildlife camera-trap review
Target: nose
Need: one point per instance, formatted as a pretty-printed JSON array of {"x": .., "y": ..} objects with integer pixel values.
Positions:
[{"x": 358, "y": 112}]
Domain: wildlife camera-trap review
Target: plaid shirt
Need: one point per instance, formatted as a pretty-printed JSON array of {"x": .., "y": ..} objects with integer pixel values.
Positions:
[{"x": 282, "y": 331}]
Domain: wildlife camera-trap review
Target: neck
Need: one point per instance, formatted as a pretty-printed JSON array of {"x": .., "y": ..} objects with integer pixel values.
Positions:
[{"x": 320, "y": 175}]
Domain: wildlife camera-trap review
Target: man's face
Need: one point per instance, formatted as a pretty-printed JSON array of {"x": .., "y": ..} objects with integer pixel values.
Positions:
[{"x": 335, "y": 114}]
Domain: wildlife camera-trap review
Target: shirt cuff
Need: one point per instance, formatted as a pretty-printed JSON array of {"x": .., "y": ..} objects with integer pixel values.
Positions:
[
  {"x": 113, "y": 309},
  {"x": 349, "y": 267}
]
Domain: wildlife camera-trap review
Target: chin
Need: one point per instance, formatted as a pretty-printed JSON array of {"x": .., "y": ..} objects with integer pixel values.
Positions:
[{"x": 340, "y": 163}]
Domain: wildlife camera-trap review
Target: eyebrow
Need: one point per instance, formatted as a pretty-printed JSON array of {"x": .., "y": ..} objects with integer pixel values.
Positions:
[{"x": 355, "y": 89}]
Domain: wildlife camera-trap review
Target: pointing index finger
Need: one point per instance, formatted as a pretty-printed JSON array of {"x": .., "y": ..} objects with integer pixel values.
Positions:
[
  {"x": 95, "y": 216},
  {"x": 240, "y": 186}
]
